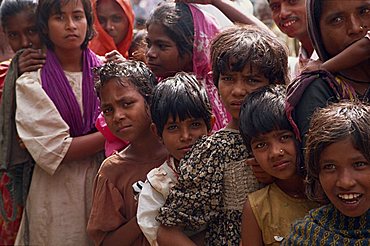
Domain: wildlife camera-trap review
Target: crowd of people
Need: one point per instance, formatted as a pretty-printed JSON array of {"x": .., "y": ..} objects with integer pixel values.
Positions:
[{"x": 186, "y": 124}]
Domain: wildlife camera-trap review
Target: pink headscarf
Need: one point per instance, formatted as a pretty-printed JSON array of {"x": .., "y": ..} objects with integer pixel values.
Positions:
[{"x": 205, "y": 28}]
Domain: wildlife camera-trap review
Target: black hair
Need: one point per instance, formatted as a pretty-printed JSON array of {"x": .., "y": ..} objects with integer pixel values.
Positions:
[
  {"x": 46, "y": 8},
  {"x": 136, "y": 72},
  {"x": 263, "y": 111},
  {"x": 10, "y": 8},
  {"x": 329, "y": 125},
  {"x": 238, "y": 46},
  {"x": 182, "y": 96},
  {"x": 177, "y": 20}
]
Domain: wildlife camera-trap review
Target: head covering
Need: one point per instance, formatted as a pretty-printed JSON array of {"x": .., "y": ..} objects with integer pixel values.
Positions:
[
  {"x": 314, "y": 9},
  {"x": 205, "y": 28},
  {"x": 103, "y": 43},
  {"x": 54, "y": 81},
  {"x": 340, "y": 88}
]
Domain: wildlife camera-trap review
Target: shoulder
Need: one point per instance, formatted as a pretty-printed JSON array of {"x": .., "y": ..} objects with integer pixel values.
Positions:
[
  {"x": 29, "y": 78},
  {"x": 111, "y": 165},
  {"x": 221, "y": 140}
]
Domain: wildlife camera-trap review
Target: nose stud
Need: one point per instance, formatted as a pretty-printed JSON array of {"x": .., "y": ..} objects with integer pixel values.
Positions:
[
  {"x": 361, "y": 28},
  {"x": 30, "y": 44},
  {"x": 281, "y": 151}
]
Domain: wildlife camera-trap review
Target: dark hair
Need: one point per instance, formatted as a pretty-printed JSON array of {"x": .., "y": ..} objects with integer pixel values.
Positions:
[
  {"x": 178, "y": 24},
  {"x": 47, "y": 7},
  {"x": 237, "y": 46},
  {"x": 330, "y": 125},
  {"x": 314, "y": 10},
  {"x": 136, "y": 72},
  {"x": 138, "y": 46},
  {"x": 180, "y": 96},
  {"x": 263, "y": 111},
  {"x": 11, "y": 8}
]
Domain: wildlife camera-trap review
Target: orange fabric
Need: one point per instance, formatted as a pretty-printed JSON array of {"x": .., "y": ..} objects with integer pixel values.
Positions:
[{"x": 102, "y": 43}]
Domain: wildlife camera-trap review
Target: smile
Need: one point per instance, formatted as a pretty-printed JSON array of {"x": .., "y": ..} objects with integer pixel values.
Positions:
[
  {"x": 288, "y": 23},
  {"x": 349, "y": 198}
]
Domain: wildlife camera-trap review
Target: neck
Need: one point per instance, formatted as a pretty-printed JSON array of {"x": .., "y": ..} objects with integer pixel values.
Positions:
[
  {"x": 70, "y": 61},
  {"x": 307, "y": 45},
  {"x": 233, "y": 124},
  {"x": 293, "y": 186},
  {"x": 360, "y": 72},
  {"x": 146, "y": 147}
]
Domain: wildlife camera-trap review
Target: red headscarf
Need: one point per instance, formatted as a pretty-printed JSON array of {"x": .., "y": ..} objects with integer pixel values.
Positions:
[{"x": 103, "y": 42}]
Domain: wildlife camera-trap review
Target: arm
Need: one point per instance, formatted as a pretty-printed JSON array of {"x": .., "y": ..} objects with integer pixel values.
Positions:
[
  {"x": 351, "y": 56},
  {"x": 234, "y": 14},
  {"x": 124, "y": 235},
  {"x": 168, "y": 235},
  {"x": 84, "y": 146},
  {"x": 251, "y": 232}
]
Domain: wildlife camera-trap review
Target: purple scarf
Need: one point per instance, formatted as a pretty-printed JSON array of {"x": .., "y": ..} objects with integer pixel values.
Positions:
[{"x": 56, "y": 85}]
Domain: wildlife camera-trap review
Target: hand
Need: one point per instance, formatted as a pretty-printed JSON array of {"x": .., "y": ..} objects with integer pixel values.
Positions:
[
  {"x": 20, "y": 142},
  {"x": 195, "y": 1},
  {"x": 30, "y": 60},
  {"x": 114, "y": 56},
  {"x": 312, "y": 66},
  {"x": 260, "y": 174}
]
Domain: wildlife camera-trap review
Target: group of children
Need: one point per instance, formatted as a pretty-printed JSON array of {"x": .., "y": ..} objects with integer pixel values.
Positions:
[{"x": 188, "y": 139}]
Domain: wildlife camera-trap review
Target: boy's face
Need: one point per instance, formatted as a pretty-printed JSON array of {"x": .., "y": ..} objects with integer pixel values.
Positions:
[
  {"x": 235, "y": 86},
  {"x": 124, "y": 109},
  {"x": 276, "y": 153},
  {"x": 179, "y": 136}
]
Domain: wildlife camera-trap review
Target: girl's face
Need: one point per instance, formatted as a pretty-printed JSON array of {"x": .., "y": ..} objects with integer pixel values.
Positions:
[
  {"x": 341, "y": 23},
  {"x": 125, "y": 110},
  {"x": 67, "y": 29},
  {"x": 162, "y": 54},
  {"x": 113, "y": 19},
  {"x": 276, "y": 153},
  {"x": 22, "y": 32},
  {"x": 235, "y": 86},
  {"x": 344, "y": 177}
]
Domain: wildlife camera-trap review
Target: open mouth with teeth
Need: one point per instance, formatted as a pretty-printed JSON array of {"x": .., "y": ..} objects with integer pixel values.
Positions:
[
  {"x": 350, "y": 198},
  {"x": 288, "y": 23}
]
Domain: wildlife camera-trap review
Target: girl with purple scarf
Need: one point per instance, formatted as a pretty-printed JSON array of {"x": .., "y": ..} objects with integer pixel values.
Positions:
[{"x": 56, "y": 111}]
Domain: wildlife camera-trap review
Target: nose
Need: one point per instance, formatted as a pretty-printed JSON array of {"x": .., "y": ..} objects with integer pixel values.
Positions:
[
  {"x": 118, "y": 115},
  {"x": 25, "y": 42},
  {"x": 70, "y": 24},
  {"x": 285, "y": 10},
  {"x": 109, "y": 25},
  {"x": 355, "y": 25},
  {"x": 345, "y": 180},
  {"x": 185, "y": 135},
  {"x": 151, "y": 52},
  {"x": 276, "y": 150},
  {"x": 240, "y": 89}
]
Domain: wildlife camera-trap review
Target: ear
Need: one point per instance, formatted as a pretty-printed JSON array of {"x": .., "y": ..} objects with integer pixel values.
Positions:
[
  {"x": 153, "y": 128},
  {"x": 213, "y": 120}
]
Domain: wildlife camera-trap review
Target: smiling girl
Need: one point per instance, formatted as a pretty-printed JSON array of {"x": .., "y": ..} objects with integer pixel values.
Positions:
[
  {"x": 338, "y": 170},
  {"x": 56, "y": 111}
]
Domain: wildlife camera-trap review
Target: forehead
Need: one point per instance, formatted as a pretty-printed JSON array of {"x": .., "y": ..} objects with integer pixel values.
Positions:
[
  {"x": 156, "y": 31},
  {"x": 20, "y": 21},
  {"x": 333, "y": 6},
  {"x": 110, "y": 6}
]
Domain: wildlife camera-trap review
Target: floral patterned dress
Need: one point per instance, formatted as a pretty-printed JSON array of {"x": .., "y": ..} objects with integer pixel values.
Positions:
[{"x": 213, "y": 184}]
